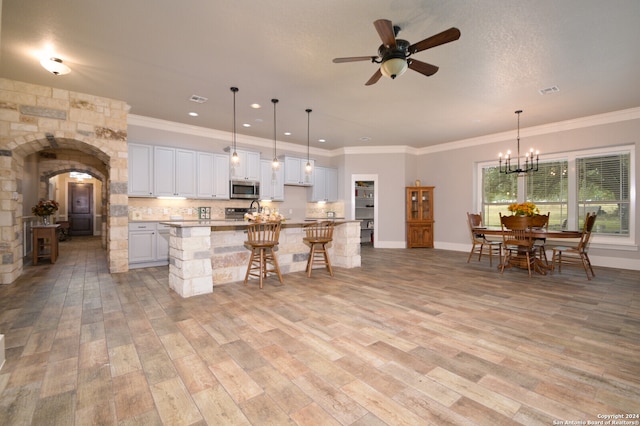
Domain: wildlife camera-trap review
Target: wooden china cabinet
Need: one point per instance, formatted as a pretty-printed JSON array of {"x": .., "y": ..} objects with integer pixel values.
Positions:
[{"x": 419, "y": 216}]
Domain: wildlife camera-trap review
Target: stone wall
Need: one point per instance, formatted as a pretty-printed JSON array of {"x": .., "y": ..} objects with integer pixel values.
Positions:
[{"x": 38, "y": 118}]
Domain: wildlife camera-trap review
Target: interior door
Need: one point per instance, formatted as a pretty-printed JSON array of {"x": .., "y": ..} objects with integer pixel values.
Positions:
[{"x": 80, "y": 208}]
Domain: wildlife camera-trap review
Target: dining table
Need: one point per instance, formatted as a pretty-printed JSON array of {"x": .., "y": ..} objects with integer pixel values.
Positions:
[{"x": 540, "y": 266}]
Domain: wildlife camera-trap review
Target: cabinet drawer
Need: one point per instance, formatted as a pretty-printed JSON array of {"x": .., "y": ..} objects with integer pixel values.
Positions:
[
  {"x": 162, "y": 227},
  {"x": 142, "y": 226}
]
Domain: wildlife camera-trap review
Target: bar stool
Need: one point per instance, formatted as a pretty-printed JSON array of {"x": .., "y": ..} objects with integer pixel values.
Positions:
[
  {"x": 262, "y": 239},
  {"x": 319, "y": 234}
]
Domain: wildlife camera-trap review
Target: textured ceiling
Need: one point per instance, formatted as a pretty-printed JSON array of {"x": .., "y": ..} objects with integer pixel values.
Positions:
[{"x": 155, "y": 54}]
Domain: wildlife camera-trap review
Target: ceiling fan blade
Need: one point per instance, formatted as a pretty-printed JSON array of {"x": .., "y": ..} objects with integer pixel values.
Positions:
[
  {"x": 374, "y": 78},
  {"x": 386, "y": 32},
  {"x": 422, "y": 67},
  {"x": 354, "y": 59},
  {"x": 446, "y": 36}
]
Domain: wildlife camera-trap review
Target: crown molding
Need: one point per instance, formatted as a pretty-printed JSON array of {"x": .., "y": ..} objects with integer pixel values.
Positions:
[{"x": 560, "y": 126}]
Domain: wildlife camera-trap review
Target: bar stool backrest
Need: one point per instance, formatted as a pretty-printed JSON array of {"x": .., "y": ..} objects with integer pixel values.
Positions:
[
  {"x": 263, "y": 232},
  {"x": 320, "y": 231}
]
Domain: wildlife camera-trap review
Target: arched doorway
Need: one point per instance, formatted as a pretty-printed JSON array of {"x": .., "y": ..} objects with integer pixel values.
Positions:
[{"x": 43, "y": 120}]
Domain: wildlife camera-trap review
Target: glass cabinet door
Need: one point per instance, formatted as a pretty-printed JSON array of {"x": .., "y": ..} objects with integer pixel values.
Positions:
[
  {"x": 414, "y": 204},
  {"x": 425, "y": 204}
]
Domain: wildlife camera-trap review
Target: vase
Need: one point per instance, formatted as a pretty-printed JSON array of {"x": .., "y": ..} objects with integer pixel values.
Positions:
[{"x": 45, "y": 220}]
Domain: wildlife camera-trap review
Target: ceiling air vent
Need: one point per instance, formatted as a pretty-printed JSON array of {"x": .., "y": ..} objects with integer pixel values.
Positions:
[
  {"x": 549, "y": 90},
  {"x": 198, "y": 99}
]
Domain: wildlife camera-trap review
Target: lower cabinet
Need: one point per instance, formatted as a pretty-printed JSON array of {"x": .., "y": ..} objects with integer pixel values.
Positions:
[
  {"x": 419, "y": 235},
  {"x": 148, "y": 244}
]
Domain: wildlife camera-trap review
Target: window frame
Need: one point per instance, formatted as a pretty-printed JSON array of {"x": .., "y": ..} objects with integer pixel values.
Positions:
[{"x": 610, "y": 241}]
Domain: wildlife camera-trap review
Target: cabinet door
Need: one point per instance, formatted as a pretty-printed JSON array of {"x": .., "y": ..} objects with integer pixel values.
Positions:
[
  {"x": 206, "y": 175},
  {"x": 162, "y": 242},
  {"x": 319, "y": 190},
  {"x": 331, "y": 183},
  {"x": 164, "y": 171},
  {"x": 419, "y": 235},
  {"x": 142, "y": 246},
  {"x": 221, "y": 176},
  {"x": 248, "y": 168},
  {"x": 295, "y": 171},
  {"x": 271, "y": 182},
  {"x": 185, "y": 173},
  {"x": 140, "y": 170},
  {"x": 426, "y": 204}
]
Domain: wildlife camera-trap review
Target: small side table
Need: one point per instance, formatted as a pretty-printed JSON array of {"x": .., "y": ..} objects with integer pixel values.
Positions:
[{"x": 45, "y": 242}]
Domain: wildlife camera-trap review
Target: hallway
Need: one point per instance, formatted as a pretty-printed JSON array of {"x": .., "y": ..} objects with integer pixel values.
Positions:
[{"x": 412, "y": 337}]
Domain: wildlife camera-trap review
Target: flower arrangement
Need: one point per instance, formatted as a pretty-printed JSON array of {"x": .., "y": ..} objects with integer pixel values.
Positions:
[
  {"x": 45, "y": 208},
  {"x": 273, "y": 216},
  {"x": 524, "y": 209}
]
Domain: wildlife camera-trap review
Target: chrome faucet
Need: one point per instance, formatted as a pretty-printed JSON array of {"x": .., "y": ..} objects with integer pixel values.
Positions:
[{"x": 257, "y": 202}]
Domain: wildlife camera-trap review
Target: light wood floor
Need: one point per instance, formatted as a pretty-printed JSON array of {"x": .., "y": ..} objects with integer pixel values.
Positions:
[{"x": 413, "y": 337}]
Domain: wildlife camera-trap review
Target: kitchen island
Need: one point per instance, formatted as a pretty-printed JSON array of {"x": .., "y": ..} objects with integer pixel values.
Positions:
[{"x": 206, "y": 253}]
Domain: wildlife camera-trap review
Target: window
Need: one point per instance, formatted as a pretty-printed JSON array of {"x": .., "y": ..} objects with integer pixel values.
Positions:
[
  {"x": 603, "y": 188},
  {"x": 569, "y": 186},
  {"x": 548, "y": 188}
]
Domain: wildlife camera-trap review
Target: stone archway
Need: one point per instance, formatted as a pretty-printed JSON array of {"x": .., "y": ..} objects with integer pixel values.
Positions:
[{"x": 37, "y": 118}]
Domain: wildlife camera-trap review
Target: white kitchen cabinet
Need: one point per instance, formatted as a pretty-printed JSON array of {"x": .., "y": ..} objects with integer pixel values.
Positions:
[
  {"x": 325, "y": 184},
  {"x": 212, "y": 180},
  {"x": 148, "y": 244},
  {"x": 140, "y": 170},
  {"x": 174, "y": 172},
  {"x": 295, "y": 171},
  {"x": 248, "y": 168},
  {"x": 271, "y": 182}
]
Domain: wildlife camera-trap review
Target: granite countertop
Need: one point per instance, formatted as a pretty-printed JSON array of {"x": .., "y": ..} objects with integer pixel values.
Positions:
[{"x": 242, "y": 223}]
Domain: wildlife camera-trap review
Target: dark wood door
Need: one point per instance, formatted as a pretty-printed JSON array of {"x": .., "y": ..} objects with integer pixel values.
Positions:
[{"x": 80, "y": 208}]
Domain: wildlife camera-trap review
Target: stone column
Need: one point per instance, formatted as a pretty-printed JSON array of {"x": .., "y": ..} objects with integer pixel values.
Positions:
[
  {"x": 346, "y": 245},
  {"x": 190, "y": 272}
]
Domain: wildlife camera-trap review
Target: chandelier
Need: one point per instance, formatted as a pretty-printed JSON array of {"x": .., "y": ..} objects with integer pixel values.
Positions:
[{"x": 530, "y": 165}]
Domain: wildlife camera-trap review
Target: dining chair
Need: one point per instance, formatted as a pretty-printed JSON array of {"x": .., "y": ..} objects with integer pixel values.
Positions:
[
  {"x": 318, "y": 235},
  {"x": 541, "y": 221},
  {"x": 576, "y": 254},
  {"x": 518, "y": 242},
  {"x": 478, "y": 240},
  {"x": 262, "y": 239}
]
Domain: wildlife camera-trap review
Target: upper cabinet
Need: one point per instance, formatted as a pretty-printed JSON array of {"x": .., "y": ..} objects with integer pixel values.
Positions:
[
  {"x": 212, "y": 181},
  {"x": 248, "y": 168},
  {"x": 140, "y": 170},
  {"x": 271, "y": 182},
  {"x": 174, "y": 172},
  {"x": 325, "y": 184},
  {"x": 295, "y": 171}
]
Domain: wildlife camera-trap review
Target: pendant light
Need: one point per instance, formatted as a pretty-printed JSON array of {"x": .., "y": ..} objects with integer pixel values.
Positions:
[
  {"x": 308, "y": 167},
  {"x": 275, "y": 164},
  {"x": 529, "y": 164},
  {"x": 234, "y": 157}
]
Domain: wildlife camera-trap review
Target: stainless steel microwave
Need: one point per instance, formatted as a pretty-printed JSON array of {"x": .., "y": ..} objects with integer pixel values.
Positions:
[{"x": 245, "y": 189}]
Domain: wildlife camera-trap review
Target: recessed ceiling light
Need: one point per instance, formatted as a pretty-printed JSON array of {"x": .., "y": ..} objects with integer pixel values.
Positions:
[
  {"x": 246, "y": 125},
  {"x": 255, "y": 106},
  {"x": 322, "y": 140},
  {"x": 198, "y": 99},
  {"x": 287, "y": 133},
  {"x": 193, "y": 114},
  {"x": 365, "y": 138},
  {"x": 259, "y": 120}
]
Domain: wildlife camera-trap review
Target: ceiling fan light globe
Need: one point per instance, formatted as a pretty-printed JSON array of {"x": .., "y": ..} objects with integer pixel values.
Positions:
[{"x": 393, "y": 67}]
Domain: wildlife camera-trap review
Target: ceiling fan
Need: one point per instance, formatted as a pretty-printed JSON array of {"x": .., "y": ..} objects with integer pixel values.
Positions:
[{"x": 394, "y": 53}]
